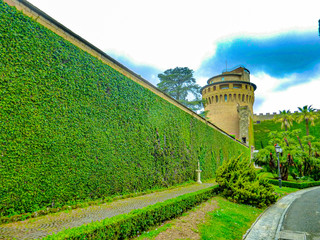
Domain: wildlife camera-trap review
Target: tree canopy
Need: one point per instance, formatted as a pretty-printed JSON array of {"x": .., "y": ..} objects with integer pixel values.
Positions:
[
  {"x": 307, "y": 114},
  {"x": 286, "y": 118},
  {"x": 179, "y": 83}
]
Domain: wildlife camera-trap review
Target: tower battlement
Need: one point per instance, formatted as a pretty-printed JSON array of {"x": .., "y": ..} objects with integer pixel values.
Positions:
[{"x": 269, "y": 116}]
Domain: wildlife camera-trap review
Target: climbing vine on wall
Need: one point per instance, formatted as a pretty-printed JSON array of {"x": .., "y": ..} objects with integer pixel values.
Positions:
[{"x": 72, "y": 128}]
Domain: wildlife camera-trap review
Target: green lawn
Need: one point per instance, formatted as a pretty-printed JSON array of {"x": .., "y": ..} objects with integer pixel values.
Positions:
[
  {"x": 284, "y": 190},
  {"x": 230, "y": 221}
]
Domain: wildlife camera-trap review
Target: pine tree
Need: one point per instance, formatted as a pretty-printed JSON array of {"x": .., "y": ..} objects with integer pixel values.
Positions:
[{"x": 179, "y": 83}]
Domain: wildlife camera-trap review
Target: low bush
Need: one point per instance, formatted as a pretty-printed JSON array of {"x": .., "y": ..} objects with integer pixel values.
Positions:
[
  {"x": 295, "y": 184},
  {"x": 129, "y": 225},
  {"x": 238, "y": 182}
]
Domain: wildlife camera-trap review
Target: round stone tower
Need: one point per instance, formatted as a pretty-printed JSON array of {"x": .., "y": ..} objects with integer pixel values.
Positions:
[{"x": 229, "y": 99}]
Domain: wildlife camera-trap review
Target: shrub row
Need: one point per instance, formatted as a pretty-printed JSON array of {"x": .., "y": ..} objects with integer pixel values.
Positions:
[
  {"x": 73, "y": 129},
  {"x": 126, "y": 226},
  {"x": 294, "y": 184}
]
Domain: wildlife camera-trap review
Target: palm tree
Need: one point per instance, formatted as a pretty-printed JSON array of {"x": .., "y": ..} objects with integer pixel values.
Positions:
[
  {"x": 286, "y": 119},
  {"x": 307, "y": 114}
]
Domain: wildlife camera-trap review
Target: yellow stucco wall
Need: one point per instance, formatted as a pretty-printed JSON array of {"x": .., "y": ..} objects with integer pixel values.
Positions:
[{"x": 223, "y": 94}]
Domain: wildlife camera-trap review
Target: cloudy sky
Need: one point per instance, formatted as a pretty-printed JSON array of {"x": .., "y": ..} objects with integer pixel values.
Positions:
[{"x": 278, "y": 41}]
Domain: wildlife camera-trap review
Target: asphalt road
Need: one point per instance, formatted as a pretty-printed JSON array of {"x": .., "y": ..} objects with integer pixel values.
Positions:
[{"x": 303, "y": 216}]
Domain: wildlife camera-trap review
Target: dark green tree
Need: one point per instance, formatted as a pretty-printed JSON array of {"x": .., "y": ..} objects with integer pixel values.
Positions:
[{"x": 180, "y": 84}]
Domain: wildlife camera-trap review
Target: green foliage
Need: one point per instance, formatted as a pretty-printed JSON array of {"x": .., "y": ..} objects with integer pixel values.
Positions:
[
  {"x": 179, "y": 83},
  {"x": 286, "y": 118},
  {"x": 300, "y": 156},
  {"x": 129, "y": 225},
  {"x": 262, "y": 130},
  {"x": 238, "y": 181},
  {"x": 229, "y": 221},
  {"x": 307, "y": 115},
  {"x": 74, "y": 129}
]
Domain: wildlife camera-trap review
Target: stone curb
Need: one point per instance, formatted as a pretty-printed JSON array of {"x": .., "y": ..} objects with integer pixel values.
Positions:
[{"x": 268, "y": 224}]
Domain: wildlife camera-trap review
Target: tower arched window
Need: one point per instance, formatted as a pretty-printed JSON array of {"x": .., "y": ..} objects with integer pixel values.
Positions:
[
  {"x": 209, "y": 100},
  {"x": 225, "y": 98},
  {"x": 247, "y": 98},
  {"x": 242, "y": 97},
  {"x": 230, "y": 97},
  {"x": 235, "y": 97},
  {"x": 217, "y": 98}
]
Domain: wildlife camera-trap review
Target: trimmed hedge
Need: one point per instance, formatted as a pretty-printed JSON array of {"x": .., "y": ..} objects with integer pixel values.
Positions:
[
  {"x": 126, "y": 226},
  {"x": 73, "y": 129},
  {"x": 294, "y": 185}
]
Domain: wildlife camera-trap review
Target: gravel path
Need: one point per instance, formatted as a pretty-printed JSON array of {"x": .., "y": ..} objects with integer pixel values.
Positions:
[{"x": 45, "y": 225}]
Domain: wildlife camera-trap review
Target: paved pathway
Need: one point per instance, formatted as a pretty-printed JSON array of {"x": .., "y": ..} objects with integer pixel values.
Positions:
[
  {"x": 45, "y": 225},
  {"x": 303, "y": 217},
  {"x": 268, "y": 226}
]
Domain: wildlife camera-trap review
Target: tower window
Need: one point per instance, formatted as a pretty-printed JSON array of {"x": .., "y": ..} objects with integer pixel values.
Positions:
[
  {"x": 237, "y": 86},
  {"x": 217, "y": 99},
  {"x": 214, "y": 88},
  {"x": 225, "y": 98},
  {"x": 224, "y": 86}
]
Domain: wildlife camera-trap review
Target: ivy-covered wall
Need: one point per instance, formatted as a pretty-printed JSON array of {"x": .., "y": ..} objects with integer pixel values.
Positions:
[
  {"x": 72, "y": 128},
  {"x": 262, "y": 130}
]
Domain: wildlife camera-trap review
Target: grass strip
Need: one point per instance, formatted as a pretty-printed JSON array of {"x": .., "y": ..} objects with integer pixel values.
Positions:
[
  {"x": 130, "y": 225},
  {"x": 229, "y": 221}
]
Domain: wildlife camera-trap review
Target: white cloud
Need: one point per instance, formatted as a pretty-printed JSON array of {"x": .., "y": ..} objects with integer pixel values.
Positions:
[
  {"x": 290, "y": 99},
  {"x": 169, "y": 33}
]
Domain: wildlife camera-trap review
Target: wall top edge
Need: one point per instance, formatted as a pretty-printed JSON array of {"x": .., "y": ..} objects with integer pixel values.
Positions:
[
  {"x": 51, "y": 20},
  {"x": 275, "y": 113}
]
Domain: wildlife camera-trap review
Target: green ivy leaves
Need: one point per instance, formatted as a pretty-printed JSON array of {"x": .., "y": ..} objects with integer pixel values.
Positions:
[{"x": 74, "y": 129}]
